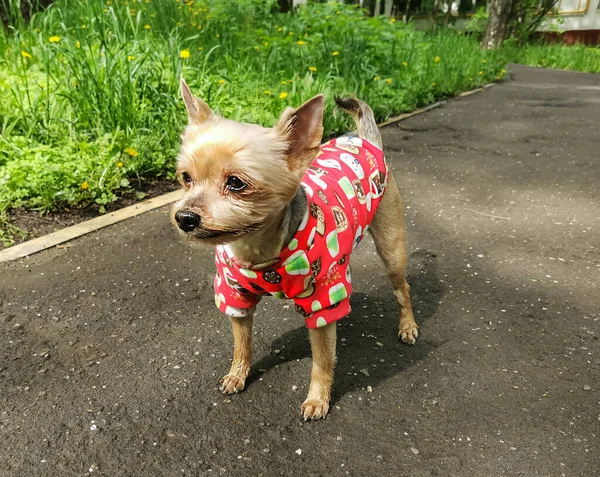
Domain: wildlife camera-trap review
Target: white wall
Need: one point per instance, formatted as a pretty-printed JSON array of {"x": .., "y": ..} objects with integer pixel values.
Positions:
[{"x": 590, "y": 20}]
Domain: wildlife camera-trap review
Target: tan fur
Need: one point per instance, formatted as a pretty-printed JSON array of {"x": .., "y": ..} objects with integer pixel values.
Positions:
[
  {"x": 363, "y": 117},
  {"x": 322, "y": 342},
  {"x": 272, "y": 162},
  {"x": 391, "y": 247},
  {"x": 256, "y": 222},
  {"x": 303, "y": 129},
  {"x": 235, "y": 380}
]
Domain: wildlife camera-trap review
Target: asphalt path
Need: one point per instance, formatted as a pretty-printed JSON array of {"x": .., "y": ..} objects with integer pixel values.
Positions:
[{"x": 111, "y": 347}]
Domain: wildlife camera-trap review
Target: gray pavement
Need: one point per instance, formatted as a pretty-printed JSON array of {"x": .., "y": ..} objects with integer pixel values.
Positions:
[{"x": 110, "y": 349}]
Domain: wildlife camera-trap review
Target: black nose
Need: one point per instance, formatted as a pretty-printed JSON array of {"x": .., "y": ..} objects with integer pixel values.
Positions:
[{"x": 187, "y": 220}]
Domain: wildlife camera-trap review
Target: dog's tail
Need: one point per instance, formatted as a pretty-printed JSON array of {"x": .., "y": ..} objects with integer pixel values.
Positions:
[{"x": 363, "y": 117}]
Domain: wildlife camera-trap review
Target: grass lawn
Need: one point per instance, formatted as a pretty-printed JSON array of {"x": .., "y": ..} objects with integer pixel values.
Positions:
[
  {"x": 90, "y": 105},
  {"x": 90, "y": 101},
  {"x": 577, "y": 58}
]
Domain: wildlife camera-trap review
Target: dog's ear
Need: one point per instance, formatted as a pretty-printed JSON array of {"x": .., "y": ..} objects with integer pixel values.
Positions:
[
  {"x": 198, "y": 111},
  {"x": 302, "y": 130}
]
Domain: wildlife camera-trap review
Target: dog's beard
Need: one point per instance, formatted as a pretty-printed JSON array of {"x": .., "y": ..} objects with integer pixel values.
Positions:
[{"x": 220, "y": 237}]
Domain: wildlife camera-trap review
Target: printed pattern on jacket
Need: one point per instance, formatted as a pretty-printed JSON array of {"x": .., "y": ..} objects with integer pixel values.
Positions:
[{"x": 344, "y": 186}]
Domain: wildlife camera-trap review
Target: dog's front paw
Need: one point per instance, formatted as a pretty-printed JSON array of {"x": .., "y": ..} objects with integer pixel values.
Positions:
[
  {"x": 315, "y": 409},
  {"x": 409, "y": 333},
  {"x": 232, "y": 384}
]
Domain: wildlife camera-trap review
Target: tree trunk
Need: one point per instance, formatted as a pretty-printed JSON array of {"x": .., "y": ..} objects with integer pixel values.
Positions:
[
  {"x": 434, "y": 14},
  {"x": 448, "y": 14},
  {"x": 497, "y": 25},
  {"x": 369, "y": 5}
]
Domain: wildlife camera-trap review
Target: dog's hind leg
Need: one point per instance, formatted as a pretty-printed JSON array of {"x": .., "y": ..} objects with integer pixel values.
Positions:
[
  {"x": 387, "y": 230},
  {"x": 235, "y": 381}
]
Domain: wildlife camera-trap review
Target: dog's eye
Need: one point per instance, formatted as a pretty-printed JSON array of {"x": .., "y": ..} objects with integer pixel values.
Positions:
[
  {"x": 235, "y": 184},
  {"x": 185, "y": 177}
]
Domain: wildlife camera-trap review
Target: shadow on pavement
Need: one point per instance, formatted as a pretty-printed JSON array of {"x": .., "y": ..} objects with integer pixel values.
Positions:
[{"x": 368, "y": 350}]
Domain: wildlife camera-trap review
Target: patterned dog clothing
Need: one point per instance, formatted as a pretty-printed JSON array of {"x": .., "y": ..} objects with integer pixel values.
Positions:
[{"x": 344, "y": 186}]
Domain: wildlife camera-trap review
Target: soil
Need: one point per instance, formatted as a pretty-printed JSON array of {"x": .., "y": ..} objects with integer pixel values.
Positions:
[
  {"x": 33, "y": 224},
  {"x": 111, "y": 348}
]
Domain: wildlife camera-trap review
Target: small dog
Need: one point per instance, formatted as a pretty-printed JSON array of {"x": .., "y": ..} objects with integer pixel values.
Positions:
[{"x": 284, "y": 213}]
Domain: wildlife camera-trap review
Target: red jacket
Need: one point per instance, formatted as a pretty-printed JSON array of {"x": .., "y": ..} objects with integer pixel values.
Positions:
[{"x": 344, "y": 186}]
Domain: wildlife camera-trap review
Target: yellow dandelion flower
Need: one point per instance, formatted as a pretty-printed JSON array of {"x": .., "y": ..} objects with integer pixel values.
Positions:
[
  {"x": 312, "y": 68},
  {"x": 404, "y": 63},
  {"x": 377, "y": 78},
  {"x": 130, "y": 57},
  {"x": 280, "y": 29},
  {"x": 25, "y": 55},
  {"x": 267, "y": 92},
  {"x": 284, "y": 82},
  {"x": 300, "y": 42},
  {"x": 335, "y": 53},
  {"x": 483, "y": 61},
  {"x": 184, "y": 53},
  {"x": 437, "y": 59},
  {"x": 84, "y": 185},
  {"x": 105, "y": 10},
  {"x": 388, "y": 80},
  {"x": 221, "y": 81},
  {"x": 83, "y": 27},
  {"x": 200, "y": 48},
  {"x": 481, "y": 72},
  {"x": 119, "y": 164},
  {"x": 338, "y": 12},
  {"x": 503, "y": 72},
  {"x": 291, "y": 33},
  {"x": 132, "y": 152},
  {"x": 257, "y": 47},
  {"x": 265, "y": 43},
  {"x": 54, "y": 39},
  {"x": 393, "y": 20},
  {"x": 283, "y": 95},
  {"x": 77, "y": 44},
  {"x": 146, "y": 27}
]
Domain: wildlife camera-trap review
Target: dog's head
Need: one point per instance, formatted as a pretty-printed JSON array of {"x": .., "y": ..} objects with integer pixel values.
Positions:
[{"x": 238, "y": 175}]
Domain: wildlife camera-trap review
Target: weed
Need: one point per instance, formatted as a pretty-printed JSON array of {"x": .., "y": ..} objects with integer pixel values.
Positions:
[
  {"x": 90, "y": 89},
  {"x": 577, "y": 58}
]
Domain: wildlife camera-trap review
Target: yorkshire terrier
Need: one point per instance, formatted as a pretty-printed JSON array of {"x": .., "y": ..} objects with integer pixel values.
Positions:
[{"x": 284, "y": 214}]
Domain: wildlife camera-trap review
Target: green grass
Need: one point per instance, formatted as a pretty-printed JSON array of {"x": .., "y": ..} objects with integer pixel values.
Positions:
[
  {"x": 577, "y": 58},
  {"x": 90, "y": 104}
]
